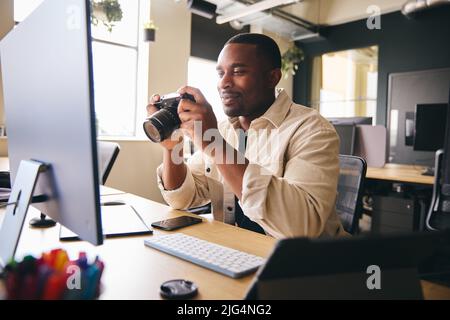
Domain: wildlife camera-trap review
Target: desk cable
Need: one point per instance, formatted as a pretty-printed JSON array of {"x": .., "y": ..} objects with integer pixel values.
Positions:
[{"x": 2, "y": 205}]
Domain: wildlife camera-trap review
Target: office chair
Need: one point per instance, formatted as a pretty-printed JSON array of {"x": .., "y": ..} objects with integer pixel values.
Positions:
[
  {"x": 350, "y": 190},
  {"x": 107, "y": 154}
]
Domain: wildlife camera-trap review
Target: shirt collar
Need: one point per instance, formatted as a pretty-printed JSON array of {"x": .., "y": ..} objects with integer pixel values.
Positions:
[{"x": 276, "y": 112}]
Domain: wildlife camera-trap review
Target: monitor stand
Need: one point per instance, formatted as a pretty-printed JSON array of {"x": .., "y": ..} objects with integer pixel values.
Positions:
[
  {"x": 17, "y": 207},
  {"x": 42, "y": 222}
]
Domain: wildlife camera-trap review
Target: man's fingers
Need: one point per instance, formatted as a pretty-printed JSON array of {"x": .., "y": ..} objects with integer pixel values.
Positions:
[
  {"x": 155, "y": 98},
  {"x": 151, "y": 109},
  {"x": 186, "y": 127},
  {"x": 189, "y": 106},
  {"x": 188, "y": 116},
  {"x": 196, "y": 93}
]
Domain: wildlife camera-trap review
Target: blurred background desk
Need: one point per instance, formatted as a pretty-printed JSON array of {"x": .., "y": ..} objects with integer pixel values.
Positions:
[
  {"x": 401, "y": 173},
  {"x": 396, "y": 198}
]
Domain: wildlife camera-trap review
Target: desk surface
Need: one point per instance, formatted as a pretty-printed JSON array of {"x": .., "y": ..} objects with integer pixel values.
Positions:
[
  {"x": 399, "y": 173},
  {"x": 134, "y": 271}
]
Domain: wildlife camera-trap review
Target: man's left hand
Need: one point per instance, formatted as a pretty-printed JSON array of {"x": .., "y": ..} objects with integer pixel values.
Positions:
[{"x": 199, "y": 111}]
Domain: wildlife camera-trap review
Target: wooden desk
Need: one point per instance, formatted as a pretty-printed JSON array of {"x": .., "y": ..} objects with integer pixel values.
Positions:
[
  {"x": 134, "y": 271},
  {"x": 400, "y": 173}
]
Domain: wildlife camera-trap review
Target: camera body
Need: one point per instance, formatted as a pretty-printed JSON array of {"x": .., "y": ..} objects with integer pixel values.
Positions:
[
  {"x": 160, "y": 125},
  {"x": 171, "y": 100}
]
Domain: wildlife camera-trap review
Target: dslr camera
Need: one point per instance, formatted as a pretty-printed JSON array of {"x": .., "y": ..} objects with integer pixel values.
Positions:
[{"x": 160, "y": 125}]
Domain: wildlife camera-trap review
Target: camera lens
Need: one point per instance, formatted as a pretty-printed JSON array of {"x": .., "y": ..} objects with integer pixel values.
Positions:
[
  {"x": 161, "y": 125},
  {"x": 152, "y": 129}
]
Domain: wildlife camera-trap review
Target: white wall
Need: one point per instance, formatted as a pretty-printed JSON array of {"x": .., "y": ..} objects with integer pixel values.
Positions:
[
  {"x": 169, "y": 54},
  {"x": 285, "y": 82}
]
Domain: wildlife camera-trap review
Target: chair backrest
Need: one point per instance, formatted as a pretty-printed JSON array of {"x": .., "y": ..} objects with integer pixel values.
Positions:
[
  {"x": 350, "y": 189},
  {"x": 107, "y": 154}
]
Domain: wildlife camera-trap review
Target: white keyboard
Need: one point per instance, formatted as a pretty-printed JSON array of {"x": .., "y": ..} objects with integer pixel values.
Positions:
[{"x": 230, "y": 262}]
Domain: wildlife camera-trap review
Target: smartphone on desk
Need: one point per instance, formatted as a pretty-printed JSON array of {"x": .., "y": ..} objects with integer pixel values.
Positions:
[{"x": 176, "y": 223}]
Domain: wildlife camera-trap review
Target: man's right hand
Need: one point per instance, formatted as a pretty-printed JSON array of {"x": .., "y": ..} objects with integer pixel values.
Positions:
[{"x": 177, "y": 136}]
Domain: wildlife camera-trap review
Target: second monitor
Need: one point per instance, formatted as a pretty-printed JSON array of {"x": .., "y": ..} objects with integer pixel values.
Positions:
[{"x": 430, "y": 122}]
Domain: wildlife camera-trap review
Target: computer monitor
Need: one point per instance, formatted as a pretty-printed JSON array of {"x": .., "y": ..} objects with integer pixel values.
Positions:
[
  {"x": 346, "y": 133},
  {"x": 446, "y": 161},
  {"x": 350, "y": 120},
  {"x": 439, "y": 209},
  {"x": 49, "y": 108},
  {"x": 430, "y": 123}
]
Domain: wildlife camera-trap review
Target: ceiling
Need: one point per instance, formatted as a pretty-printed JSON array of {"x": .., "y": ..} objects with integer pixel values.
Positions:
[{"x": 299, "y": 21}]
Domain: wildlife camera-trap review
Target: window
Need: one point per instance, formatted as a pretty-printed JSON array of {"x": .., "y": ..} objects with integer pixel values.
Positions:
[
  {"x": 202, "y": 74},
  {"x": 120, "y": 62},
  {"x": 345, "y": 83}
]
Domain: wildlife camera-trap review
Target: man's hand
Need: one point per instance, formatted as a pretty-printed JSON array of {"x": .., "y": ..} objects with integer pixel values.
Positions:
[
  {"x": 176, "y": 138},
  {"x": 199, "y": 111}
]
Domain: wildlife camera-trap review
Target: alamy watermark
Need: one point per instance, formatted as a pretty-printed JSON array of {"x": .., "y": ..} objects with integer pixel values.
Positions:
[
  {"x": 263, "y": 145},
  {"x": 374, "y": 20},
  {"x": 73, "y": 282},
  {"x": 374, "y": 280}
]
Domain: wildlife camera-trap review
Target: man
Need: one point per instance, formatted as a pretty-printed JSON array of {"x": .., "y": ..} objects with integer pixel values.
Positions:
[{"x": 286, "y": 184}]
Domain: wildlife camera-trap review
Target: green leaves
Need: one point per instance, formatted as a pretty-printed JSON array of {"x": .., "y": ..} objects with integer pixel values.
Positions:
[
  {"x": 291, "y": 59},
  {"x": 106, "y": 11}
]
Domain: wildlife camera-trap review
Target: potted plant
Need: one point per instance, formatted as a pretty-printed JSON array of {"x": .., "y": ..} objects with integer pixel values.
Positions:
[
  {"x": 291, "y": 59},
  {"x": 149, "y": 31},
  {"x": 106, "y": 11}
]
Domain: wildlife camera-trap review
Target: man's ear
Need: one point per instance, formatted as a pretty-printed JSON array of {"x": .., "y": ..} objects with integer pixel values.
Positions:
[{"x": 274, "y": 77}]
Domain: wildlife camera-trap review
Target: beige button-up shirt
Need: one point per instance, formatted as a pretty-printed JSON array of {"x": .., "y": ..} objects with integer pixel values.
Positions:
[{"x": 289, "y": 187}]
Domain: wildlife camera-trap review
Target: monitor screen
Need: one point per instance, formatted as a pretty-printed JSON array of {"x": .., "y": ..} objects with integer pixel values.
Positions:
[
  {"x": 430, "y": 126},
  {"x": 346, "y": 133},
  {"x": 48, "y": 94}
]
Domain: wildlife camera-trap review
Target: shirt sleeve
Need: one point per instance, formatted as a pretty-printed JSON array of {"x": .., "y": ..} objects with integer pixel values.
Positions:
[
  {"x": 194, "y": 190},
  {"x": 300, "y": 202}
]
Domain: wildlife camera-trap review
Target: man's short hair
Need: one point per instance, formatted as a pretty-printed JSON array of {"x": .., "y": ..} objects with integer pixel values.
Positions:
[{"x": 265, "y": 45}]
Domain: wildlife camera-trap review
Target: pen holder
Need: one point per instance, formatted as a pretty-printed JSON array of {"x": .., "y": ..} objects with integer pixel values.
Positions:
[{"x": 53, "y": 277}]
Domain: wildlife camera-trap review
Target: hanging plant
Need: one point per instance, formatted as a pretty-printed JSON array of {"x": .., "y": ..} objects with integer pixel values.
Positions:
[
  {"x": 291, "y": 59},
  {"x": 106, "y": 11}
]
